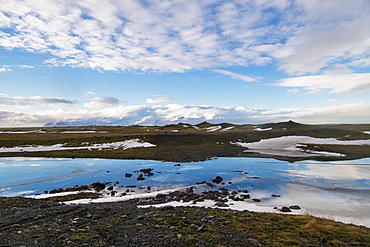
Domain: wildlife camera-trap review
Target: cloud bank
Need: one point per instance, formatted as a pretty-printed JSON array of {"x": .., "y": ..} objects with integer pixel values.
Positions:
[
  {"x": 175, "y": 113},
  {"x": 25, "y": 101},
  {"x": 300, "y": 36},
  {"x": 159, "y": 100},
  {"x": 334, "y": 84},
  {"x": 102, "y": 102},
  {"x": 235, "y": 75}
]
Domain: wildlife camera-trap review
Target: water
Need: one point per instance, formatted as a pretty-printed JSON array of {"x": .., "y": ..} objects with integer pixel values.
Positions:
[{"x": 337, "y": 190}]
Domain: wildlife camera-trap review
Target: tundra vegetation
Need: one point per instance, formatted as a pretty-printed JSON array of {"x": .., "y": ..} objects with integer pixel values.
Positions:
[
  {"x": 181, "y": 142},
  {"x": 46, "y": 222}
]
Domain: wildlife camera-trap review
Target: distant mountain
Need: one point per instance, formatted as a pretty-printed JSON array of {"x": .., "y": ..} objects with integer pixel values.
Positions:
[
  {"x": 127, "y": 121},
  {"x": 170, "y": 114}
]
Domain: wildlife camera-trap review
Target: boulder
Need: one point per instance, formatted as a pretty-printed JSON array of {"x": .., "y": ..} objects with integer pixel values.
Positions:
[
  {"x": 217, "y": 180},
  {"x": 285, "y": 209},
  {"x": 98, "y": 186},
  {"x": 245, "y": 196},
  {"x": 221, "y": 204},
  {"x": 140, "y": 178}
]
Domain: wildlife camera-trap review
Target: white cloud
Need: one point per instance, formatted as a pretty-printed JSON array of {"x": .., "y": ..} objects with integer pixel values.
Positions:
[
  {"x": 89, "y": 93},
  {"x": 292, "y": 91},
  {"x": 159, "y": 100},
  {"x": 338, "y": 69},
  {"x": 25, "y": 66},
  {"x": 306, "y": 37},
  {"x": 330, "y": 32},
  {"x": 9, "y": 68},
  {"x": 24, "y": 101},
  {"x": 102, "y": 102},
  {"x": 235, "y": 75},
  {"x": 174, "y": 113},
  {"x": 5, "y": 69},
  {"x": 334, "y": 84}
]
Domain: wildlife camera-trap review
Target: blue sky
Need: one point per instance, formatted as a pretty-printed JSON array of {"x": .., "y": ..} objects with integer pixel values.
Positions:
[{"x": 241, "y": 61}]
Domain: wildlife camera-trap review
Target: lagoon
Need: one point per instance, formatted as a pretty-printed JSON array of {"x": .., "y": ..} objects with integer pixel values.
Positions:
[{"x": 338, "y": 190}]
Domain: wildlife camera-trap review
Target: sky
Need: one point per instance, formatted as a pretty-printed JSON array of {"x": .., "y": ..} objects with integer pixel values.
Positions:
[{"x": 168, "y": 61}]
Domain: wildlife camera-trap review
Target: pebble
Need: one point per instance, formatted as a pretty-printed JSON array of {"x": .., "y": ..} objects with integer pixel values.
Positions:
[
  {"x": 140, "y": 217},
  {"x": 201, "y": 229},
  {"x": 194, "y": 226}
]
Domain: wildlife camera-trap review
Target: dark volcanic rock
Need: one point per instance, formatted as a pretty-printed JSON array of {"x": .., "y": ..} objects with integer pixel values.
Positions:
[
  {"x": 217, "y": 180},
  {"x": 221, "y": 204},
  {"x": 285, "y": 209},
  {"x": 98, "y": 186},
  {"x": 147, "y": 172},
  {"x": 245, "y": 196},
  {"x": 56, "y": 191},
  {"x": 140, "y": 178}
]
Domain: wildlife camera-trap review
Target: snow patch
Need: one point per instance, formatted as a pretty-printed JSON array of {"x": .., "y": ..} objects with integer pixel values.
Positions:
[
  {"x": 293, "y": 146},
  {"x": 106, "y": 198},
  {"x": 228, "y": 128},
  {"x": 133, "y": 143},
  {"x": 214, "y": 128},
  {"x": 234, "y": 205},
  {"x": 44, "y": 196},
  {"x": 259, "y": 129},
  {"x": 82, "y": 132}
]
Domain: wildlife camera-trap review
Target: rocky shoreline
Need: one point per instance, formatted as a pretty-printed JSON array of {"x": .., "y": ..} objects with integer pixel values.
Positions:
[{"x": 216, "y": 196}]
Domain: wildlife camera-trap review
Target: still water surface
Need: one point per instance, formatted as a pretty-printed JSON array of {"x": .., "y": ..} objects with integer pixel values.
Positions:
[{"x": 338, "y": 190}]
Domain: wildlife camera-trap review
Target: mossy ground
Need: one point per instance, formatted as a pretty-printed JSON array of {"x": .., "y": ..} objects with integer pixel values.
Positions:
[
  {"x": 185, "y": 145},
  {"x": 28, "y": 222}
]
